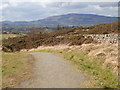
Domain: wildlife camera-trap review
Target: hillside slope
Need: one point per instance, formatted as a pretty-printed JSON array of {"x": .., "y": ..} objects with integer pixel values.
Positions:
[
  {"x": 71, "y": 36},
  {"x": 63, "y": 20}
]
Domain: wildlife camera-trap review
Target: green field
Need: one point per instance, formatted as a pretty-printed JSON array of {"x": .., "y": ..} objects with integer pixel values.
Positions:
[{"x": 6, "y": 36}]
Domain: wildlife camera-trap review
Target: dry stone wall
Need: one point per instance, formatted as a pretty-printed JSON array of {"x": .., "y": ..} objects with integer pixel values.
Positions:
[{"x": 103, "y": 38}]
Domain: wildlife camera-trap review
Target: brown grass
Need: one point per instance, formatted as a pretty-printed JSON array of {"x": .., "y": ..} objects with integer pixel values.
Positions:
[{"x": 105, "y": 53}]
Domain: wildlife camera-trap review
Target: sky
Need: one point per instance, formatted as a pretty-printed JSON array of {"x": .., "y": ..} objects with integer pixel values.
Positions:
[{"x": 29, "y": 10}]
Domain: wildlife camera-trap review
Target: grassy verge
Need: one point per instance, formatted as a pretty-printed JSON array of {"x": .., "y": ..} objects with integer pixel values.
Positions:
[
  {"x": 0, "y": 69},
  {"x": 101, "y": 76},
  {"x": 15, "y": 68}
]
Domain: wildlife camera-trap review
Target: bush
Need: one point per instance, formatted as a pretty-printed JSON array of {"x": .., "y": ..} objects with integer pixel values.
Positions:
[{"x": 35, "y": 38}]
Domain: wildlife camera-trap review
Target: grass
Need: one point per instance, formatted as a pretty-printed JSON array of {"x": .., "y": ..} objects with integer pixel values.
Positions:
[
  {"x": 13, "y": 67},
  {"x": 103, "y": 77},
  {"x": 0, "y": 69},
  {"x": 6, "y": 36},
  {"x": 12, "y": 63}
]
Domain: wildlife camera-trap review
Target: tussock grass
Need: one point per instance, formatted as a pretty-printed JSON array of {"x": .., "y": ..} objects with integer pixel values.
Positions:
[{"x": 101, "y": 76}]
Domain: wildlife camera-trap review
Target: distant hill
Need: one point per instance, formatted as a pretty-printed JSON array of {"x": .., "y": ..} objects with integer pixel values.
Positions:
[
  {"x": 63, "y": 20},
  {"x": 77, "y": 19}
]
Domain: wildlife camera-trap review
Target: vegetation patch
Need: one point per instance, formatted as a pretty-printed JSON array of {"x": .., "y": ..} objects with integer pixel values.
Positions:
[
  {"x": 69, "y": 36},
  {"x": 101, "y": 76},
  {"x": 6, "y": 36},
  {"x": 41, "y": 38},
  {"x": 15, "y": 68}
]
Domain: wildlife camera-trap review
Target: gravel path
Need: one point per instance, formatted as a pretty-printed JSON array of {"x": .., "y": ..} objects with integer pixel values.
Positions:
[{"x": 51, "y": 71}]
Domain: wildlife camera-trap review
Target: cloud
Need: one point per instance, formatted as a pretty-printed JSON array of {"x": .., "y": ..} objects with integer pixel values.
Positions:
[
  {"x": 3, "y": 6},
  {"x": 97, "y": 7},
  {"x": 34, "y": 10},
  {"x": 61, "y": 1}
]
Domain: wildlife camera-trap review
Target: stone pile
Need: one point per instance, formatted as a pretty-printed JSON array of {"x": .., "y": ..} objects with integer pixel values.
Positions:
[{"x": 102, "y": 38}]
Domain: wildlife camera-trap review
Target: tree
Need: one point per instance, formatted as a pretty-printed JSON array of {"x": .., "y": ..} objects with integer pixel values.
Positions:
[{"x": 58, "y": 27}]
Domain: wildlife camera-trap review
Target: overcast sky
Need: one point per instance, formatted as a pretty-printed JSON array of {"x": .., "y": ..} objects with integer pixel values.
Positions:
[{"x": 24, "y": 10}]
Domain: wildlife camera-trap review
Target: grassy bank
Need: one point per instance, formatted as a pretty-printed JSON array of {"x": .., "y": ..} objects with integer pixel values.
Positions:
[
  {"x": 6, "y": 36},
  {"x": 15, "y": 68},
  {"x": 101, "y": 76}
]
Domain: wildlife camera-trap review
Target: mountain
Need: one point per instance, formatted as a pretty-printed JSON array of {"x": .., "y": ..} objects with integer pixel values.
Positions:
[
  {"x": 63, "y": 20},
  {"x": 77, "y": 19}
]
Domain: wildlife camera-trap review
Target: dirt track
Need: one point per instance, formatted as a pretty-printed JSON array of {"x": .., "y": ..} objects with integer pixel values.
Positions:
[{"x": 51, "y": 71}]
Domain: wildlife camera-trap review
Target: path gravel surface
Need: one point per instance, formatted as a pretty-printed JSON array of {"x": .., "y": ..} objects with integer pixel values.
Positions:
[{"x": 51, "y": 71}]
